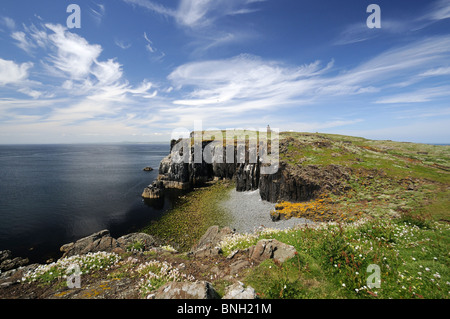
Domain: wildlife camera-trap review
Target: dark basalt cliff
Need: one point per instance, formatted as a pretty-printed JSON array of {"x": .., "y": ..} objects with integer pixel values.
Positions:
[{"x": 290, "y": 183}]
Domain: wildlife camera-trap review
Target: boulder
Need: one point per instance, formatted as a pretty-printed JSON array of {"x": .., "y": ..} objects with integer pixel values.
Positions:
[
  {"x": 271, "y": 248},
  {"x": 153, "y": 191},
  {"x": 81, "y": 245},
  {"x": 127, "y": 240},
  {"x": 7, "y": 262},
  {"x": 239, "y": 291},
  {"x": 186, "y": 290},
  {"x": 148, "y": 169},
  {"x": 207, "y": 245},
  {"x": 102, "y": 241},
  {"x": 106, "y": 243},
  {"x": 238, "y": 265}
]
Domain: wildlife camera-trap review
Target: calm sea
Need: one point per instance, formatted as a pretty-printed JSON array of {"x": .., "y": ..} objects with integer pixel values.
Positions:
[{"x": 54, "y": 194}]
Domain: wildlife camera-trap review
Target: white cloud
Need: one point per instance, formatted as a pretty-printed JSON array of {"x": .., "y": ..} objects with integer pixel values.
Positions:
[
  {"x": 359, "y": 32},
  {"x": 242, "y": 78},
  {"x": 8, "y": 22},
  {"x": 12, "y": 73},
  {"x": 149, "y": 45},
  {"x": 94, "y": 88},
  {"x": 97, "y": 13},
  {"x": 246, "y": 82},
  {"x": 198, "y": 13},
  {"x": 439, "y": 10},
  {"x": 122, "y": 44},
  {"x": 418, "y": 96},
  {"x": 74, "y": 55},
  {"x": 436, "y": 72}
]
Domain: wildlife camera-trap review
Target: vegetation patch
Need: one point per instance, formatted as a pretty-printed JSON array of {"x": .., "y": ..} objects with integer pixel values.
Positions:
[
  {"x": 155, "y": 274},
  {"x": 192, "y": 215},
  {"x": 336, "y": 261},
  {"x": 57, "y": 271}
]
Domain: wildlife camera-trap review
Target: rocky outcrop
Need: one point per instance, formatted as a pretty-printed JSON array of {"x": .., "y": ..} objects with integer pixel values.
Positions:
[
  {"x": 207, "y": 245},
  {"x": 186, "y": 290},
  {"x": 271, "y": 248},
  {"x": 290, "y": 182},
  {"x": 179, "y": 170},
  {"x": 302, "y": 183},
  {"x": 239, "y": 291},
  {"x": 102, "y": 241},
  {"x": 8, "y": 262}
]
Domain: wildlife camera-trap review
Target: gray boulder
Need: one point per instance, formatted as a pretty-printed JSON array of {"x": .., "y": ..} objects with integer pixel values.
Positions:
[
  {"x": 239, "y": 291},
  {"x": 93, "y": 243},
  {"x": 8, "y": 262},
  {"x": 186, "y": 290},
  {"x": 207, "y": 245},
  {"x": 145, "y": 239},
  {"x": 271, "y": 248},
  {"x": 102, "y": 241}
]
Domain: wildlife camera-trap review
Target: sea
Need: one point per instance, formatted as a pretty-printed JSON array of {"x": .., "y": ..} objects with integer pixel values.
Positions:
[{"x": 51, "y": 195}]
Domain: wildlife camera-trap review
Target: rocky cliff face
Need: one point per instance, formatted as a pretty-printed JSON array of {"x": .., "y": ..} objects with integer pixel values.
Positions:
[
  {"x": 291, "y": 183},
  {"x": 184, "y": 171},
  {"x": 302, "y": 183}
]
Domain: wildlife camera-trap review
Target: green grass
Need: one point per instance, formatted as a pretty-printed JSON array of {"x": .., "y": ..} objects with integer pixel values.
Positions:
[
  {"x": 332, "y": 261},
  {"x": 191, "y": 216}
]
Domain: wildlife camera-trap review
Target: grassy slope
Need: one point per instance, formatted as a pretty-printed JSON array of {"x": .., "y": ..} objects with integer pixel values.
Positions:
[
  {"x": 403, "y": 180},
  {"x": 412, "y": 250},
  {"x": 414, "y": 178}
]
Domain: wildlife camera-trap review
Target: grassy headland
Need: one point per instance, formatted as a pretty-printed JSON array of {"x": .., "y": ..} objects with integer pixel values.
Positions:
[{"x": 394, "y": 213}]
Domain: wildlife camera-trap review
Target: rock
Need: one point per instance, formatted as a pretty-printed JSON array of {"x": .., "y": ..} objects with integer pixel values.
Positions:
[
  {"x": 301, "y": 183},
  {"x": 237, "y": 266},
  {"x": 283, "y": 251},
  {"x": 102, "y": 241},
  {"x": 271, "y": 248},
  {"x": 291, "y": 182},
  {"x": 106, "y": 243},
  {"x": 186, "y": 290},
  {"x": 147, "y": 240},
  {"x": 4, "y": 255},
  {"x": 153, "y": 191},
  {"x": 7, "y": 262},
  {"x": 92, "y": 243},
  {"x": 148, "y": 169},
  {"x": 239, "y": 291},
  {"x": 207, "y": 245},
  {"x": 262, "y": 250}
]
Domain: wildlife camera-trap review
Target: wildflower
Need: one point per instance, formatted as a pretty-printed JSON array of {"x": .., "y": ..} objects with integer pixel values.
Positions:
[
  {"x": 427, "y": 269},
  {"x": 343, "y": 285},
  {"x": 413, "y": 258}
]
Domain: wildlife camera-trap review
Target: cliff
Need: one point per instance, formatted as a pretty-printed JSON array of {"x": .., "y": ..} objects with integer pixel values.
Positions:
[{"x": 287, "y": 182}]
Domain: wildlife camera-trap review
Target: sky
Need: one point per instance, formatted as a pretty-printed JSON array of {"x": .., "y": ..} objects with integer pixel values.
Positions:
[{"x": 139, "y": 70}]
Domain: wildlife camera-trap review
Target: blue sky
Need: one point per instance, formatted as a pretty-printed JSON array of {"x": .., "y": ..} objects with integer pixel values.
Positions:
[{"x": 137, "y": 70}]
